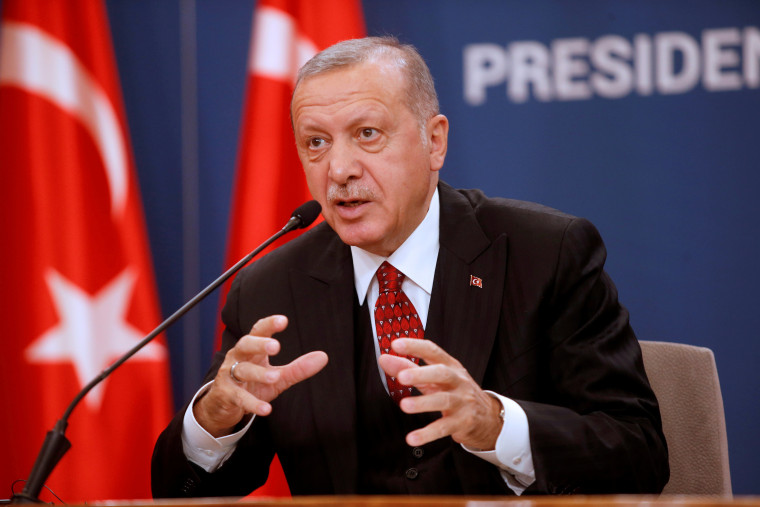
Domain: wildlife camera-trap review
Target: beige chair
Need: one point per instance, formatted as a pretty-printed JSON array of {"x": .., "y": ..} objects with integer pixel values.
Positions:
[{"x": 685, "y": 380}]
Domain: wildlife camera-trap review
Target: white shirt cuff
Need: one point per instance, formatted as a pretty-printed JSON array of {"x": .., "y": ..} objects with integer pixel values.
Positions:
[
  {"x": 200, "y": 446},
  {"x": 512, "y": 453}
]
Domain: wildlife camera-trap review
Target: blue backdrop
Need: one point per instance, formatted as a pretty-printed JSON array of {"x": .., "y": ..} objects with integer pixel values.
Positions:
[{"x": 641, "y": 116}]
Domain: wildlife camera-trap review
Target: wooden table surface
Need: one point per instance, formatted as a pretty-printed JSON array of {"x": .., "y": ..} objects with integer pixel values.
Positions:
[{"x": 448, "y": 501}]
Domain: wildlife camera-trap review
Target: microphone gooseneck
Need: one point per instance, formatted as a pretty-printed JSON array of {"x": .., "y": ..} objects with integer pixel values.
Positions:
[{"x": 56, "y": 444}]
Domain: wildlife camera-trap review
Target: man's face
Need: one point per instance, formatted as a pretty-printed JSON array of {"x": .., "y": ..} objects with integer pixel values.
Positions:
[{"x": 363, "y": 154}]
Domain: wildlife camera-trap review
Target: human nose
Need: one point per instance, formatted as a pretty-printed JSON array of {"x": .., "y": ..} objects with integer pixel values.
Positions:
[{"x": 344, "y": 165}]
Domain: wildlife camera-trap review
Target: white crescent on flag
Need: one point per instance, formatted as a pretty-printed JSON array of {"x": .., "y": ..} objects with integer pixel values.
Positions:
[{"x": 40, "y": 64}]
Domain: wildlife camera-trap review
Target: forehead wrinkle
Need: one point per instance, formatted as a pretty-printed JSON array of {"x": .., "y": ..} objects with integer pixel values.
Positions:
[
  {"x": 313, "y": 116},
  {"x": 375, "y": 81}
]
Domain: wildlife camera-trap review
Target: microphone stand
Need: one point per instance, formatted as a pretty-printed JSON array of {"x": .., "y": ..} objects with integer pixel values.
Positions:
[{"x": 56, "y": 444}]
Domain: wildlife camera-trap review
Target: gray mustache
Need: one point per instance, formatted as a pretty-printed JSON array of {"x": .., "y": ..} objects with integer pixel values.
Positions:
[{"x": 350, "y": 192}]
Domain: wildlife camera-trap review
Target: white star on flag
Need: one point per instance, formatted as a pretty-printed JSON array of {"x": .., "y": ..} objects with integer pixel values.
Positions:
[{"x": 92, "y": 332}]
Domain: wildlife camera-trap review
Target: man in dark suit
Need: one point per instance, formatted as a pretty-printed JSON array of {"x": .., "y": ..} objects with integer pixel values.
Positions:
[{"x": 529, "y": 378}]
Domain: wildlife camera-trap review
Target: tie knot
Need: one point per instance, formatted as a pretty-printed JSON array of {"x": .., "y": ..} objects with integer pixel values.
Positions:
[{"x": 389, "y": 278}]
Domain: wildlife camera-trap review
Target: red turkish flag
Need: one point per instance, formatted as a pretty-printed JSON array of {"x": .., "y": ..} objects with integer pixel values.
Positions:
[
  {"x": 270, "y": 183},
  {"x": 77, "y": 285}
]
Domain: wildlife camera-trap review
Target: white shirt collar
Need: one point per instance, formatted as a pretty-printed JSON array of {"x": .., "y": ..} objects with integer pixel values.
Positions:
[{"x": 416, "y": 257}]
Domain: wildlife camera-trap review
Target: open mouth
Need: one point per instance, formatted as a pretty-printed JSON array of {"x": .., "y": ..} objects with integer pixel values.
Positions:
[{"x": 351, "y": 203}]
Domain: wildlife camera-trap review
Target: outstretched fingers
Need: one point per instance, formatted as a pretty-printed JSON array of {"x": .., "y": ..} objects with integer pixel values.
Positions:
[
  {"x": 246, "y": 381},
  {"x": 468, "y": 414},
  {"x": 393, "y": 365},
  {"x": 426, "y": 350}
]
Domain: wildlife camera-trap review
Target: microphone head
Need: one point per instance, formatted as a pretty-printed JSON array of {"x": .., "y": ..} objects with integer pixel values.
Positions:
[{"x": 306, "y": 213}]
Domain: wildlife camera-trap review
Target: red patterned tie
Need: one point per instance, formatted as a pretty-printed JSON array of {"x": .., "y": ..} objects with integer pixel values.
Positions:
[{"x": 395, "y": 317}]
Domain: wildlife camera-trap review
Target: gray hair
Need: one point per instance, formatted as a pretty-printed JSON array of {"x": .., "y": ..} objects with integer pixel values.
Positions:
[{"x": 421, "y": 96}]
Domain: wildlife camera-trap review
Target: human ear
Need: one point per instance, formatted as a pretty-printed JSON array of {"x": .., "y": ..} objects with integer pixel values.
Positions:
[{"x": 438, "y": 140}]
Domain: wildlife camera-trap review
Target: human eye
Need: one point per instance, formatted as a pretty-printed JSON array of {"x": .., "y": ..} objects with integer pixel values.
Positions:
[
  {"x": 368, "y": 133},
  {"x": 371, "y": 139},
  {"x": 315, "y": 143}
]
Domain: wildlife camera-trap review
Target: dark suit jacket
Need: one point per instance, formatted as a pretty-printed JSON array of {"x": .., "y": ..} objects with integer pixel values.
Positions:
[{"x": 545, "y": 329}]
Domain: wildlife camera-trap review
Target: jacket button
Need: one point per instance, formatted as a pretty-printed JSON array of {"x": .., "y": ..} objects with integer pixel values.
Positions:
[
  {"x": 188, "y": 487},
  {"x": 412, "y": 473},
  {"x": 418, "y": 452}
]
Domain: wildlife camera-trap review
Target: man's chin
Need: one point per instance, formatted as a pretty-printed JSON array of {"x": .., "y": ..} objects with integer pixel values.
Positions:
[{"x": 361, "y": 239}]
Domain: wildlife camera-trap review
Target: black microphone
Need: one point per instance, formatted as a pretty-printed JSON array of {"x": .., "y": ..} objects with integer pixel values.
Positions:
[
  {"x": 56, "y": 444},
  {"x": 303, "y": 216}
]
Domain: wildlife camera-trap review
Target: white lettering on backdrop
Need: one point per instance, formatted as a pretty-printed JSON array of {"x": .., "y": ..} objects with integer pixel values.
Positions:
[{"x": 613, "y": 67}]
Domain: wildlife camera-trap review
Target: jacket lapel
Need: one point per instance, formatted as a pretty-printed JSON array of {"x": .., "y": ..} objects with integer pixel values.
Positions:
[
  {"x": 466, "y": 305},
  {"x": 468, "y": 285},
  {"x": 324, "y": 292}
]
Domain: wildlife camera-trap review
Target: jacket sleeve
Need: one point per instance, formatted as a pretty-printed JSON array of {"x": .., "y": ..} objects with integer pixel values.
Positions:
[{"x": 597, "y": 427}]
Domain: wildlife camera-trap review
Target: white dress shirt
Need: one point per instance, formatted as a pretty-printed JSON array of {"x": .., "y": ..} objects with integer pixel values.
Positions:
[{"x": 416, "y": 259}]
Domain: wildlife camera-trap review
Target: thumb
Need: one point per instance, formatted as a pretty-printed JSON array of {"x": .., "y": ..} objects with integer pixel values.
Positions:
[{"x": 303, "y": 367}]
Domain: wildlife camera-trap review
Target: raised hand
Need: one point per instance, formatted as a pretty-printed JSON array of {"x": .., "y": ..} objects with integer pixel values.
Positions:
[
  {"x": 468, "y": 414},
  {"x": 256, "y": 382}
]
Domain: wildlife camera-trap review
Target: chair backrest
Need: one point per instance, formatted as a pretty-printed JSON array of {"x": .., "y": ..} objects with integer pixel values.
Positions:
[{"x": 685, "y": 380}]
